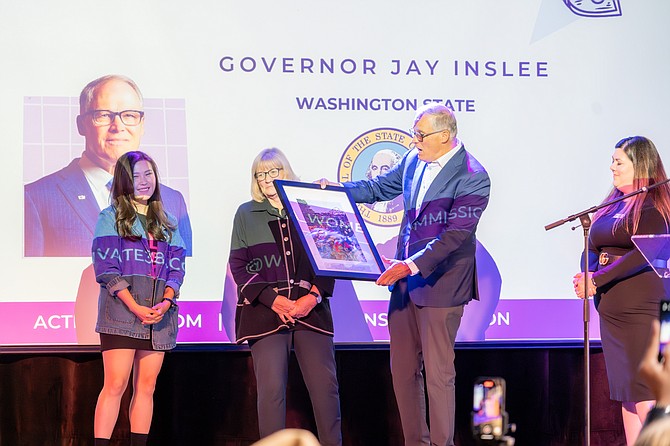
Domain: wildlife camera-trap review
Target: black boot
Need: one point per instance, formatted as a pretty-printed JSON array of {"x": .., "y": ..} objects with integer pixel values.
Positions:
[
  {"x": 101, "y": 442},
  {"x": 138, "y": 439}
]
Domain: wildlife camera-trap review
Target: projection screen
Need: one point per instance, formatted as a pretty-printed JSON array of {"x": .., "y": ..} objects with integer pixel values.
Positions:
[{"x": 542, "y": 90}]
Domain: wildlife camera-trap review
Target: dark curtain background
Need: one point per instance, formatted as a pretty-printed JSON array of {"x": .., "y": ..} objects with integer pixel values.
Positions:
[{"x": 207, "y": 397}]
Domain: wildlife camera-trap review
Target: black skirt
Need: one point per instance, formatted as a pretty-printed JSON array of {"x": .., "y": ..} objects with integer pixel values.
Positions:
[{"x": 115, "y": 342}]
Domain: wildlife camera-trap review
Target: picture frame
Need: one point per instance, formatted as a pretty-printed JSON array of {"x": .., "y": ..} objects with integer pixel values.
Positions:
[{"x": 331, "y": 229}]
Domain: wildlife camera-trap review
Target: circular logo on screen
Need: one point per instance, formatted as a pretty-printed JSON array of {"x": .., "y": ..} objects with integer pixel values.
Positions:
[{"x": 366, "y": 157}]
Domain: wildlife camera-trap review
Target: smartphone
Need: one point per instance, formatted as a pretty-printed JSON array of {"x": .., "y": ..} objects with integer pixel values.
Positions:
[
  {"x": 664, "y": 318},
  {"x": 489, "y": 419}
]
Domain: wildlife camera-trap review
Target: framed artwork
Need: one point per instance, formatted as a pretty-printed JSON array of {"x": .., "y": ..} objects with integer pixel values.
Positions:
[{"x": 331, "y": 230}]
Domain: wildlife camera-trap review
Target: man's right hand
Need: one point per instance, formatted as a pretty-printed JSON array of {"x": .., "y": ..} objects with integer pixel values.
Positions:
[{"x": 396, "y": 270}]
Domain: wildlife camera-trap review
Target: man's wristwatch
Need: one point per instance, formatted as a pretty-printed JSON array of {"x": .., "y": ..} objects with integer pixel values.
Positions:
[{"x": 315, "y": 294}]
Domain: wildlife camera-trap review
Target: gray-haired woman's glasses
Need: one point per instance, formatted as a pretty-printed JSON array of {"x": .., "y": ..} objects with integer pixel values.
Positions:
[{"x": 272, "y": 173}]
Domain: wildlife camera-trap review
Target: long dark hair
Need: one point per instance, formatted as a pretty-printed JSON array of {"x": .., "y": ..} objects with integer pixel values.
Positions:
[
  {"x": 648, "y": 170},
  {"x": 123, "y": 192}
]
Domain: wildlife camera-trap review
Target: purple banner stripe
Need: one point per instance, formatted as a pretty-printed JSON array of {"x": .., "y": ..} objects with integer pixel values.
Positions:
[{"x": 54, "y": 323}]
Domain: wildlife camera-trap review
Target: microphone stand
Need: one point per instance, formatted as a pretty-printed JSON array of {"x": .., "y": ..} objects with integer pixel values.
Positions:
[{"x": 585, "y": 222}]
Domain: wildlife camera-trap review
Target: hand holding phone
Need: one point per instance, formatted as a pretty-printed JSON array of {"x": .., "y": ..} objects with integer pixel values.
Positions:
[
  {"x": 664, "y": 319},
  {"x": 489, "y": 419},
  {"x": 656, "y": 374}
]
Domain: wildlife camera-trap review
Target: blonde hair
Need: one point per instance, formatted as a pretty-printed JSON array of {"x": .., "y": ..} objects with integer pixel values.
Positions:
[
  {"x": 271, "y": 158},
  {"x": 657, "y": 433}
]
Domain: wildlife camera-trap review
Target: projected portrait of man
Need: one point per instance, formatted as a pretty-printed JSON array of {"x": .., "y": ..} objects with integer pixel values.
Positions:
[
  {"x": 382, "y": 162},
  {"x": 61, "y": 209}
]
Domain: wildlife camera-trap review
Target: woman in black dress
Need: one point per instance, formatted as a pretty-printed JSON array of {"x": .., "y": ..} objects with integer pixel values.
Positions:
[{"x": 627, "y": 291}]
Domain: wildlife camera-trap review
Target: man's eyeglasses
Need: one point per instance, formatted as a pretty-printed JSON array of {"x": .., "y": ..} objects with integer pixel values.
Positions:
[
  {"x": 272, "y": 173},
  {"x": 419, "y": 135},
  {"x": 106, "y": 117}
]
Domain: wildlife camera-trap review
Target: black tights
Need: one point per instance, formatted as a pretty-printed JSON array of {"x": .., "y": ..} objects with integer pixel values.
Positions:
[
  {"x": 138, "y": 439},
  {"x": 135, "y": 440}
]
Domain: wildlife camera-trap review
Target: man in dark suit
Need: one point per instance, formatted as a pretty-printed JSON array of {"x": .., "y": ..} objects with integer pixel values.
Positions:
[
  {"x": 61, "y": 209},
  {"x": 444, "y": 190}
]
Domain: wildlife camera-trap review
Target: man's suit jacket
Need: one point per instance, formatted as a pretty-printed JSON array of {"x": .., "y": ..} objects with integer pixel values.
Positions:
[
  {"x": 61, "y": 212},
  {"x": 440, "y": 236}
]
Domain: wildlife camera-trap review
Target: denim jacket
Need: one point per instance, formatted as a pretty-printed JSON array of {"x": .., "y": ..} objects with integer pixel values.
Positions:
[{"x": 122, "y": 263}]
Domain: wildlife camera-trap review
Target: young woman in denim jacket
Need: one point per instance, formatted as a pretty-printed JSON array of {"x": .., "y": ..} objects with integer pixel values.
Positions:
[{"x": 138, "y": 257}]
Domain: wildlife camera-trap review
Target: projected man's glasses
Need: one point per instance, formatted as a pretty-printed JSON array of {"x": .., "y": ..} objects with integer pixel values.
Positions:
[{"x": 106, "y": 117}]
